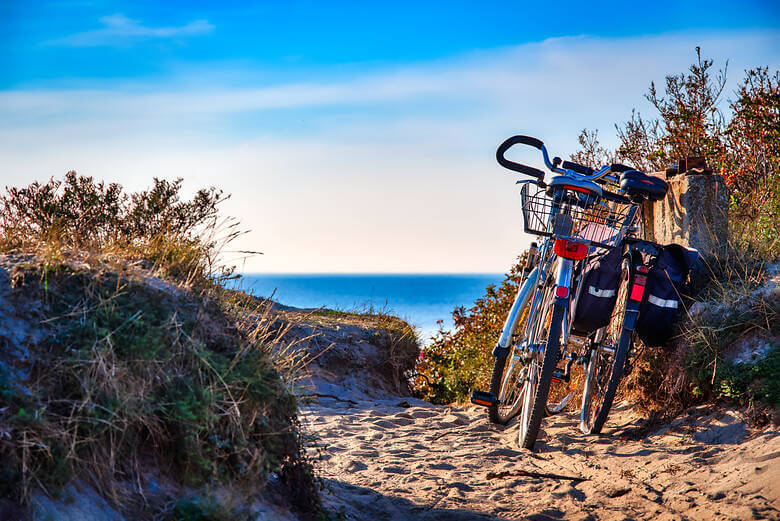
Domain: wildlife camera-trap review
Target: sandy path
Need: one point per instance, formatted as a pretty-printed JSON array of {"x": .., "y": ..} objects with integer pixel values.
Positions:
[
  {"x": 389, "y": 457},
  {"x": 407, "y": 459}
]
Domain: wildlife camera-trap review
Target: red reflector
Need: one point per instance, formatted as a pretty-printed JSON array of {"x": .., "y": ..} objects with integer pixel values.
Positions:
[
  {"x": 570, "y": 249},
  {"x": 483, "y": 402},
  {"x": 636, "y": 292},
  {"x": 577, "y": 189},
  {"x": 562, "y": 291}
]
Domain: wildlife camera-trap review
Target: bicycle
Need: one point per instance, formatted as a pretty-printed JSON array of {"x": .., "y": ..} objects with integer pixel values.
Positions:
[
  {"x": 577, "y": 219},
  {"x": 609, "y": 356}
]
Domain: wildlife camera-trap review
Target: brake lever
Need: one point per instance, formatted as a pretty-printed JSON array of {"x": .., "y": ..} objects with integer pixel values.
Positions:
[{"x": 540, "y": 183}]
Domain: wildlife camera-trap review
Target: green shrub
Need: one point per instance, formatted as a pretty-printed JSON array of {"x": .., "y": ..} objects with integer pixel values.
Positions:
[
  {"x": 461, "y": 360},
  {"x": 79, "y": 213},
  {"x": 747, "y": 382},
  {"x": 710, "y": 337}
]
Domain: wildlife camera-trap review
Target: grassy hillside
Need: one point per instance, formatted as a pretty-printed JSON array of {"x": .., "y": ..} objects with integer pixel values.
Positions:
[{"x": 125, "y": 363}]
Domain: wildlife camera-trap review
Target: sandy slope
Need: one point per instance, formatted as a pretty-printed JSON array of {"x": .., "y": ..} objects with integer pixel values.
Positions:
[{"x": 406, "y": 459}]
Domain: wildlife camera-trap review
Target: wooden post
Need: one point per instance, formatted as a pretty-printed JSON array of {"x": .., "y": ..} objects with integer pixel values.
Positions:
[{"x": 694, "y": 214}]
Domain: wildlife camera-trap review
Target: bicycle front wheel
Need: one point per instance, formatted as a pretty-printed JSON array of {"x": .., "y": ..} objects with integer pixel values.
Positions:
[
  {"x": 506, "y": 383},
  {"x": 539, "y": 375},
  {"x": 607, "y": 360}
]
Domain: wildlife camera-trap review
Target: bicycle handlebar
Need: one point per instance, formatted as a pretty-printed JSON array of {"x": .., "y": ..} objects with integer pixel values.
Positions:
[
  {"x": 596, "y": 175},
  {"x": 617, "y": 167},
  {"x": 580, "y": 169},
  {"x": 569, "y": 168},
  {"x": 517, "y": 167}
]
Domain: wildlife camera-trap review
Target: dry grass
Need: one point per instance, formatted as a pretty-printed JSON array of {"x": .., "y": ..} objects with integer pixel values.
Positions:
[
  {"x": 142, "y": 362},
  {"x": 729, "y": 304}
]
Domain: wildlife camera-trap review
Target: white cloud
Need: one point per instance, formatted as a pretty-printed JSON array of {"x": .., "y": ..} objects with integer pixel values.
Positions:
[
  {"x": 386, "y": 171},
  {"x": 120, "y": 30}
]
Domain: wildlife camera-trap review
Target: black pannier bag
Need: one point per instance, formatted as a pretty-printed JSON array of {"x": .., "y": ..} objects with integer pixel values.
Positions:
[
  {"x": 599, "y": 292},
  {"x": 661, "y": 303}
]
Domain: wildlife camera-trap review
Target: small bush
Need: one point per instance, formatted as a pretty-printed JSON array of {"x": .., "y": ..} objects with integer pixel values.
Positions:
[
  {"x": 461, "y": 360},
  {"x": 79, "y": 213}
]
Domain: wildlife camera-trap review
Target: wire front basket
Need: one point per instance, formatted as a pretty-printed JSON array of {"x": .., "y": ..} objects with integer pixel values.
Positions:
[{"x": 578, "y": 216}]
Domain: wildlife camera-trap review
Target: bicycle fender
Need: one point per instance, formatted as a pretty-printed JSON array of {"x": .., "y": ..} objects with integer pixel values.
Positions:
[{"x": 632, "y": 312}]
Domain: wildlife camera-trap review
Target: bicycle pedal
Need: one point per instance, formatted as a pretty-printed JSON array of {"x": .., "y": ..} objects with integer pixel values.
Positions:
[
  {"x": 482, "y": 398},
  {"x": 560, "y": 376}
]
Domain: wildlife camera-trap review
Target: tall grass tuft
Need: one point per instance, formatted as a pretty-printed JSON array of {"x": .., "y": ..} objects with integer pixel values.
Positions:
[{"x": 125, "y": 377}]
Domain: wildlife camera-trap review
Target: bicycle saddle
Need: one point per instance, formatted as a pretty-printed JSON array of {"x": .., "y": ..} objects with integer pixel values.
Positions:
[{"x": 640, "y": 186}]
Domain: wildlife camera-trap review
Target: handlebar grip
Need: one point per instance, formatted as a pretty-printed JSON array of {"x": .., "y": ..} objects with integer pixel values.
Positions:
[
  {"x": 617, "y": 167},
  {"x": 580, "y": 169},
  {"x": 616, "y": 197},
  {"x": 517, "y": 167},
  {"x": 528, "y": 140}
]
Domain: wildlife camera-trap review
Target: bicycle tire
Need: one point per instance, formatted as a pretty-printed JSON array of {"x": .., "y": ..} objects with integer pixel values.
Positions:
[
  {"x": 596, "y": 407},
  {"x": 499, "y": 378},
  {"x": 616, "y": 375},
  {"x": 527, "y": 437}
]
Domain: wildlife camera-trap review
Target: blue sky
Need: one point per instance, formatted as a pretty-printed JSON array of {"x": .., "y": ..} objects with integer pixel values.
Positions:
[
  {"x": 353, "y": 136},
  {"x": 81, "y": 41}
]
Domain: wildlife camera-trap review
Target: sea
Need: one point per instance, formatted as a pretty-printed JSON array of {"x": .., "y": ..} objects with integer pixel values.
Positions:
[{"x": 424, "y": 300}]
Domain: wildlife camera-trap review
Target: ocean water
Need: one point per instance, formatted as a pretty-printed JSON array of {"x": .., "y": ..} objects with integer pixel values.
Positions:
[{"x": 422, "y": 300}]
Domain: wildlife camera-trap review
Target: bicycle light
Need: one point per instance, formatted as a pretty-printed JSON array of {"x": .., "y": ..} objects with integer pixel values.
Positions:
[{"x": 570, "y": 249}]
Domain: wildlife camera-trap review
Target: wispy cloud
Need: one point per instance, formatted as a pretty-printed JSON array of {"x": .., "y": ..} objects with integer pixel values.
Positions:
[
  {"x": 405, "y": 149},
  {"x": 117, "y": 29},
  {"x": 567, "y": 75}
]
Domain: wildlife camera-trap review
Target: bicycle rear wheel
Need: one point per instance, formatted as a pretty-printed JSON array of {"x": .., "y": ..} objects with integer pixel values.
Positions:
[
  {"x": 607, "y": 360},
  {"x": 506, "y": 384}
]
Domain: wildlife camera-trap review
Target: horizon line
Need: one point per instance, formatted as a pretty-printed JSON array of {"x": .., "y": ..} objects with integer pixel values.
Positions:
[{"x": 372, "y": 273}]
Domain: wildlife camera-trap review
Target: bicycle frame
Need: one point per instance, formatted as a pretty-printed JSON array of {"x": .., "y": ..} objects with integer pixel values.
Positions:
[{"x": 564, "y": 275}]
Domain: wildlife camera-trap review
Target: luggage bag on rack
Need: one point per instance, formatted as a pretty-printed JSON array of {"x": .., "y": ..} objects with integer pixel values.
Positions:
[
  {"x": 599, "y": 292},
  {"x": 662, "y": 303}
]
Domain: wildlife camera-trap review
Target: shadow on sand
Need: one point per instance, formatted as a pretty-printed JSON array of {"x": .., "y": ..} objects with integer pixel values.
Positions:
[{"x": 365, "y": 504}]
